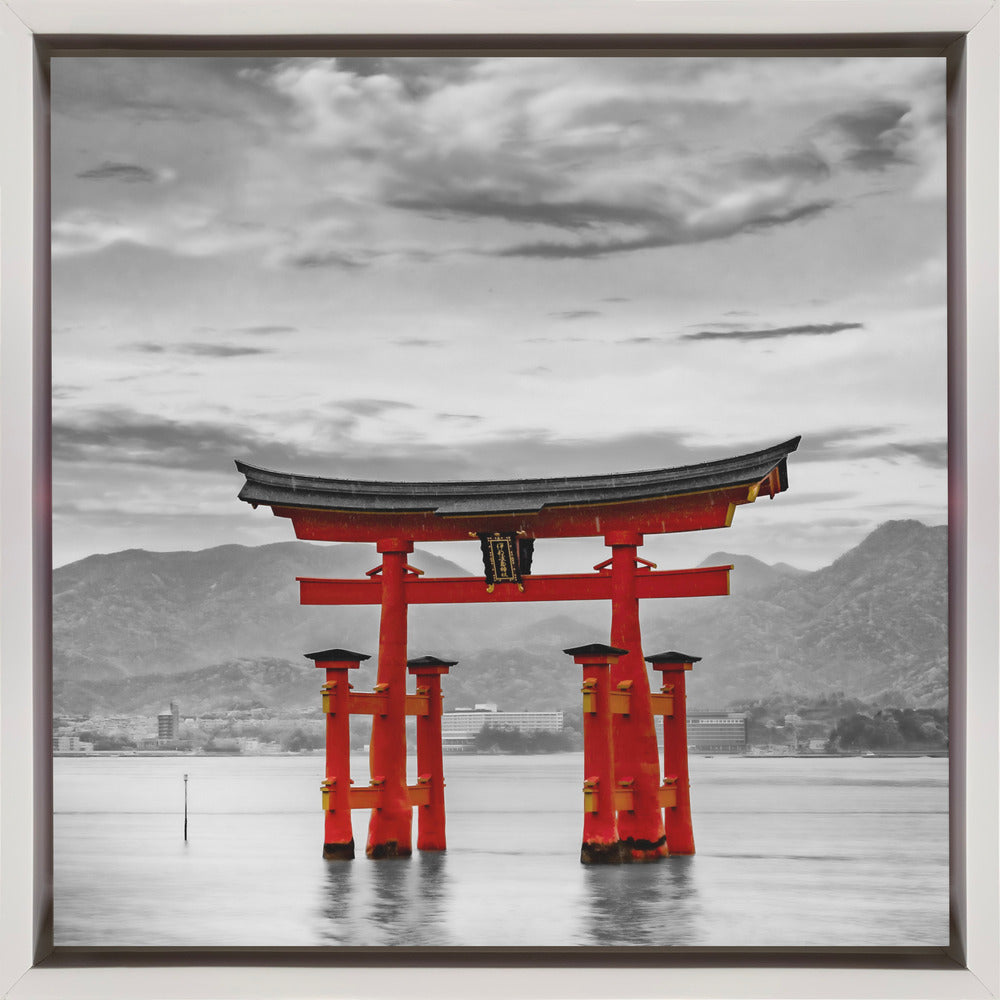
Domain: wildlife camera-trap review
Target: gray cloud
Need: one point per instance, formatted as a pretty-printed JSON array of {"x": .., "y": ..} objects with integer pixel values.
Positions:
[
  {"x": 220, "y": 350},
  {"x": 199, "y": 350},
  {"x": 631, "y": 217},
  {"x": 854, "y": 443},
  {"x": 876, "y": 134},
  {"x": 264, "y": 330},
  {"x": 121, "y": 436},
  {"x": 562, "y": 214},
  {"x": 664, "y": 233},
  {"x": 930, "y": 453},
  {"x": 771, "y": 333},
  {"x": 372, "y": 407},
  {"x": 638, "y": 340},
  {"x": 804, "y": 164},
  {"x": 840, "y": 442},
  {"x": 769, "y": 220},
  {"x": 130, "y": 173},
  {"x": 718, "y": 326},
  {"x": 172, "y": 89},
  {"x": 125, "y": 437},
  {"x": 417, "y": 342},
  {"x": 571, "y": 314},
  {"x": 325, "y": 258},
  {"x": 467, "y": 417},
  {"x": 875, "y": 159},
  {"x": 419, "y": 77}
]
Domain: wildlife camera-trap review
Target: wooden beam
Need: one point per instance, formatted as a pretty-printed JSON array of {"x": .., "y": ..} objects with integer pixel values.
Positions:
[{"x": 708, "y": 581}]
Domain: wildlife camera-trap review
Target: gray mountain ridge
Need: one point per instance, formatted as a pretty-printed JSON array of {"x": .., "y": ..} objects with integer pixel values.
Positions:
[
  {"x": 751, "y": 575},
  {"x": 222, "y": 627}
]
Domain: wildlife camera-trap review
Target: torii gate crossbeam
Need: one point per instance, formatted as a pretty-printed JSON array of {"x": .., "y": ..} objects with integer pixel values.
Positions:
[{"x": 707, "y": 581}]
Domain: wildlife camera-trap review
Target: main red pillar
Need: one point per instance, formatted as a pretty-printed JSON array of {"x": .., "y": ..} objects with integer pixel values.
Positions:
[
  {"x": 600, "y": 827},
  {"x": 430, "y": 755},
  {"x": 338, "y": 832},
  {"x": 636, "y": 755},
  {"x": 676, "y": 819},
  {"x": 389, "y": 830}
]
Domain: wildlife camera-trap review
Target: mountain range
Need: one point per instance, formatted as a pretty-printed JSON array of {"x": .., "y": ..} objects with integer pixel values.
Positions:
[{"x": 222, "y": 629}]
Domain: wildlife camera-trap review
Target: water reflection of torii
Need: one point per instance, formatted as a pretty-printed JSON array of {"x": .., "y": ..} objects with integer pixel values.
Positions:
[{"x": 629, "y": 815}]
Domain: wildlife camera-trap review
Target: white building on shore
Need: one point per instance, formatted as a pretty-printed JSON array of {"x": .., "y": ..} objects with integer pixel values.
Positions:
[
  {"x": 70, "y": 743},
  {"x": 459, "y": 728}
]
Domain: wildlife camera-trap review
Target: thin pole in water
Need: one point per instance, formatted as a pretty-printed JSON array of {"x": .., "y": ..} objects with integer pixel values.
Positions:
[{"x": 185, "y": 808}]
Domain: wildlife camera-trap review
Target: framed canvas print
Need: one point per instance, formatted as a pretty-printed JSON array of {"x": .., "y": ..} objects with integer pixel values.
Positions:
[{"x": 652, "y": 367}]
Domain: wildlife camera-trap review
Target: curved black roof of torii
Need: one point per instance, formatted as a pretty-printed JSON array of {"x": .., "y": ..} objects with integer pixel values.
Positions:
[{"x": 509, "y": 496}]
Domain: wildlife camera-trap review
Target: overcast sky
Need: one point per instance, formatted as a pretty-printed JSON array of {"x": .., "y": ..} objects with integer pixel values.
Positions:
[{"x": 472, "y": 268}]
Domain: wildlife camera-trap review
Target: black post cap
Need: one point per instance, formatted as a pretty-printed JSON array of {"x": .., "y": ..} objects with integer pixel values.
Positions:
[
  {"x": 672, "y": 656},
  {"x": 595, "y": 649},
  {"x": 336, "y": 654},
  {"x": 430, "y": 661}
]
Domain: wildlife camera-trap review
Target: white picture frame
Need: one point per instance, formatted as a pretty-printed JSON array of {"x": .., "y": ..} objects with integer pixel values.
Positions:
[{"x": 967, "y": 30}]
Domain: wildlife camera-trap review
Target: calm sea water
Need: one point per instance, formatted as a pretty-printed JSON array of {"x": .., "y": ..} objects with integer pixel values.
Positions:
[{"x": 791, "y": 852}]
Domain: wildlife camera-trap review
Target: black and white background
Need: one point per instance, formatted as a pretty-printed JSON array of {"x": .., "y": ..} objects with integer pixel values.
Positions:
[{"x": 492, "y": 267}]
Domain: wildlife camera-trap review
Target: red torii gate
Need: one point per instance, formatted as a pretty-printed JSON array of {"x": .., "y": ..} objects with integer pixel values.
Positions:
[{"x": 507, "y": 516}]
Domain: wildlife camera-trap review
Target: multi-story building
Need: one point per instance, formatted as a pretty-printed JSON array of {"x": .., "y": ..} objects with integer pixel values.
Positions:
[
  {"x": 717, "y": 732},
  {"x": 168, "y": 724},
  {"x": 70, "y": 743},
  {"x": 460, "y": 727}
]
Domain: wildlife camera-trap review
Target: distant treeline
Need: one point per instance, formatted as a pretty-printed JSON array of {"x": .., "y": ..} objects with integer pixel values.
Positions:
[
  {"x": 892, "y": 729},
  {"x": 847, "y": 723},
  {"x": 515, "y": 742}
]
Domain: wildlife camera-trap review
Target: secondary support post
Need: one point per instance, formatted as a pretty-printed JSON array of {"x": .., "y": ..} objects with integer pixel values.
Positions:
[
  {"x": 676, "y": 819},
  {"x": 600, "y": 824},
  {"x": 637, "y": 762},
  {"x": 430, "y": 759},
  {"x": 338, "y": 833},
  {"x": 390, "y": 827}
]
